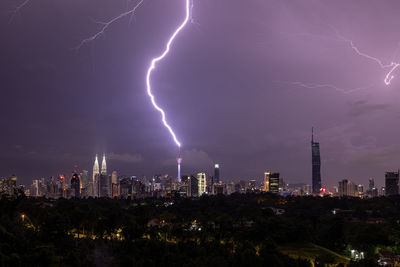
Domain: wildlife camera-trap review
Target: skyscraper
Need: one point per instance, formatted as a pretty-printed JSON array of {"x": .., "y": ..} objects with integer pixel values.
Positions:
[
  {"x": 391, "y": 183},
  {"x": 266, "y": 181},
  {"x": 105, "y": 183},
  {"x": 274, "y": 183},
  {"x": 104, "y": 165},
  {"x": 371, "y": 184},
  {"x": 216, "y": 174},
  {"x": 202, "y": 183},
  {"x": 114, "y": 184},
  {"x": 76, "y": 185},
  {"x": 96, "y": 178},
  {"x": 179, "y": 160},
  {"x": 316, "y": 165},
  {"x": 271, "y": 182}
]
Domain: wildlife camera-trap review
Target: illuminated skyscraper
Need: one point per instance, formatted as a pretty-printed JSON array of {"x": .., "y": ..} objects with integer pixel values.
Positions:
[
  {"x": 202, "y": 183},
  {"x": 96, "y": 178},
  {"x": 216, "y": 174},
  {"x": 266, "y": 181},
  {"x": 316, "y": 165},
  {"x": 104, "y": 165},
  {"x": 271, "y": 182},
  {"x": 104, "y": 183},
  {"x": 274, "y": 182},
  {"x": 179, "y": 160},
  {"x": 114, "y": 184}
]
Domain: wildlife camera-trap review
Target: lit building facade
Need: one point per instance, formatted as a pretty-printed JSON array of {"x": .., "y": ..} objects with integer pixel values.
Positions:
[{"x": 202, "y": 183}]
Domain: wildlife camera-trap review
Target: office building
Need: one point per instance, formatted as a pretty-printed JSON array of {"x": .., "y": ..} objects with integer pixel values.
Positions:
[
  {"x": 316, "y": 165},
  {"x": 202, "y": 183},
  {"x": 216, "y": 174},
  {"x": 391, "y": 183}
]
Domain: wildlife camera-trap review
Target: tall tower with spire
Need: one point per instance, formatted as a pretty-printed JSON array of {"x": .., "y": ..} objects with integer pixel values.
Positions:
[
  {"x": 105, "y": 182},
  {"x": 104, "y": 165},
  {"x": 96, "y": 177},
  {"x": 316, "y": 165},
  {"x": 179, "y": 160}
]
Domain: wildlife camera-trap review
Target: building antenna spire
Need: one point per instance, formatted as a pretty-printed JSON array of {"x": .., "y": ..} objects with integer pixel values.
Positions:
[{"x": 312, "y": 134}]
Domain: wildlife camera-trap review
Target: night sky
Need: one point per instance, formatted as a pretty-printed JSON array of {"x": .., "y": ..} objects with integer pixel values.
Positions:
[{"x": 228, "y": 87}]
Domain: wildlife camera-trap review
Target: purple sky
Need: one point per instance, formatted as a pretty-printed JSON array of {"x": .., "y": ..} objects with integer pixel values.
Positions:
[{"x": 227, "y": 87}]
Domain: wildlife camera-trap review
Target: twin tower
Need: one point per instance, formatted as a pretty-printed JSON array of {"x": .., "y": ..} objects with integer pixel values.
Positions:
[
  {"x": 96, "y": 169},
  {"x": 101, "y": 185}
]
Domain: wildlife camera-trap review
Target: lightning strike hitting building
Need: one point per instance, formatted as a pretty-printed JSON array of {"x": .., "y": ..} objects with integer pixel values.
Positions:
[
  {"x": 154, "y": 61},
  {"x": 188, "y": 17}
]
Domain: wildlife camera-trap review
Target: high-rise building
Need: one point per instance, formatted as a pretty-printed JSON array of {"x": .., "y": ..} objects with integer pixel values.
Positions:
[
  {"x": 274, "y": 182},
  {"x": 202, "y": 183},
  {"x": 343, "y": 187},
  {"x": 114, "y": 184},
  {"x": 179, "y": 160},
  {"x": 75, "y": 185},
  {"x": 271, "y": 182},
  {"x": 371, "y": 184},
  {"x": 351, "y": 189},
  {"x": 391, "y": 183},
  {"x": 105, "y": 184},
  {"x": 360, "y": 190},
  {"x": 34, "y": 191},
  {"x": 85, "y": 183},
  {"x": 96, "y": 178},
  {"x": 216, "y": 174},
  {"x": 104, "y": 165},
  {"x": 266, "y": 181},
  {"x": 193, "y": 186},
  {"x": 316, "y": 165}
]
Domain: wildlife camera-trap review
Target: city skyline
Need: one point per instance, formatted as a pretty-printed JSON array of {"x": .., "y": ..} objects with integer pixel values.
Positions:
[{"x": 244, "y": 98}]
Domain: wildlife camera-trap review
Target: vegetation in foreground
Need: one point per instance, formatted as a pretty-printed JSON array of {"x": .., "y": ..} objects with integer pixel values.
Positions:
[{"x": 235, "y": 230}]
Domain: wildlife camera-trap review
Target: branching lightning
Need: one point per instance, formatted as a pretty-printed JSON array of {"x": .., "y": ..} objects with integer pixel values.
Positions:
[
  {"x": 154, "y": 61},
  {"x": 327, "y": 85},
  {"x": 18, "y": 9},
  {"x": 392, "y": 66},
  {"x": 105, "y": 25}
]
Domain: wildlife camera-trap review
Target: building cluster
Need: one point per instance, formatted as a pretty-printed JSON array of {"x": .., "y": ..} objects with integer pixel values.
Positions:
[{"x": 101, "y": 184}]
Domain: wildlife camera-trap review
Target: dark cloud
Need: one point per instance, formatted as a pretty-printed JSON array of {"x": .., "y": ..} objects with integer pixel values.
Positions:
[
  {"x": 221, "y": 87},
  {"x": 361, "y": 107}
]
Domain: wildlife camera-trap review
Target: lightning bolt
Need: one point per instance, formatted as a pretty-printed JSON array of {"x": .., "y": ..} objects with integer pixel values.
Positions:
[
  {"x": 392, "y": 66},
  {"x": 17, "y": 10},
  {"x": 327, "y": 85},
  {"x": 154, "y": 61},
  {"x": 107, "y": 24}
]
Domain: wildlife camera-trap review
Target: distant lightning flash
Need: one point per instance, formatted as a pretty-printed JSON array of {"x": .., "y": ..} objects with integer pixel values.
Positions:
[
  {"x": 392, "y": 66},
  {"x": 17, "y": 9},
  {"x": 153, "y": 66},
  {"x": 327, "y": 85},
  {"x": 107, "y": 24}
]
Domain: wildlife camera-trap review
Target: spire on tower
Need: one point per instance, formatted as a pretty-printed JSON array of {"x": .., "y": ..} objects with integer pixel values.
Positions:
[
  {"x": 96, "y": 166},
  {"x": 312, "y": 134},
  {"x": 104, "y": 165}
]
